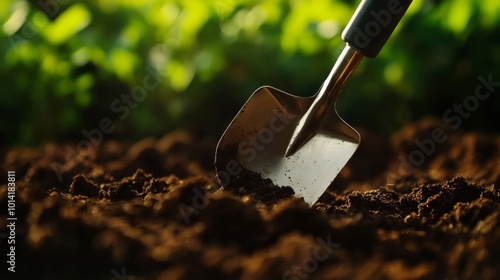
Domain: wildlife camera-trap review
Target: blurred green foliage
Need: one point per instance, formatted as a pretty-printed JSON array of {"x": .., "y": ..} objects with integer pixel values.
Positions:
[{"x": 65, "y": 62}]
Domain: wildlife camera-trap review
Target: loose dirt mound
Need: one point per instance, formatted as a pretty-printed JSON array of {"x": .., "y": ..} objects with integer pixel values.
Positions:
[{"x": 401, "y": 209}]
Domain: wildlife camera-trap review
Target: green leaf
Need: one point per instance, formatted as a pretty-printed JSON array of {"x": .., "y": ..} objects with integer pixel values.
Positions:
[
  {"x": 69, "y": 23},
  {"x": 123, "y": 63},
  {"x": 459, "y": 15},
  {"x": 180, "y": 75},
  {"x": 16, "y": 18}
]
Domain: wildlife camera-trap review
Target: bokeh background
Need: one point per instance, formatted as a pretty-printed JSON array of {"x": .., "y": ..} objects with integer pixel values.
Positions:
[{"x": 65, "y": 63}]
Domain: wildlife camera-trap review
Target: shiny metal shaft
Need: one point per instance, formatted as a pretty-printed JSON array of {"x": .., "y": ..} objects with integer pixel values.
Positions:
[{"x": 325, "y": 99}]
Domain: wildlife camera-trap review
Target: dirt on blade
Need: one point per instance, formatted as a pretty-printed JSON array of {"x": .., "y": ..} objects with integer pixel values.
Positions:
[{"x": 244, "y": 182}]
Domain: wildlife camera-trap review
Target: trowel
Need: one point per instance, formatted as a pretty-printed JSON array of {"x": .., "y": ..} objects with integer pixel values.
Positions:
[{"x": 302, "y": 142}]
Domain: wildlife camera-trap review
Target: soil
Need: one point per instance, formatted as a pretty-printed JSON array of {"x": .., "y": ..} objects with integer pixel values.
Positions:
[{"x": 400, "y": 209}]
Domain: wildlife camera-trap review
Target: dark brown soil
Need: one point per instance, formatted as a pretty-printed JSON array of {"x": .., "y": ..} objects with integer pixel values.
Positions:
[{"x": 152, "y": 210}]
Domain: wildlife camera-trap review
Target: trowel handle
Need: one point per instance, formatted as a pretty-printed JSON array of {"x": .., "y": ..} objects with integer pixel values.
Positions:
[{"x": 373, "y": 23}]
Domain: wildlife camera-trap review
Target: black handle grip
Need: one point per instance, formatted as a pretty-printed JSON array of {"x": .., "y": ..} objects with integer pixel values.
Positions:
[{"x": 373, "y": 23}]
